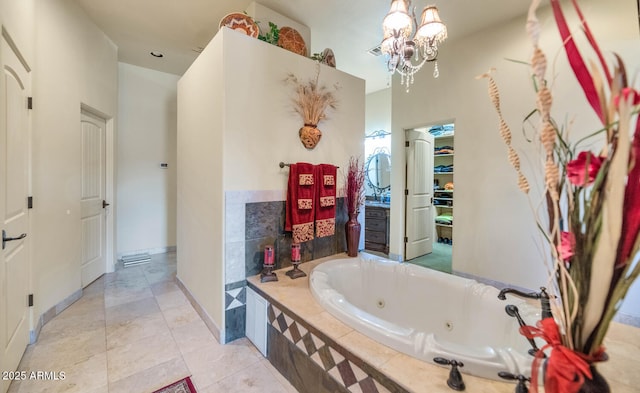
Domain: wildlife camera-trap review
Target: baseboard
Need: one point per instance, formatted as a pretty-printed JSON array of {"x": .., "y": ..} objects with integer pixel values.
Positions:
[
  {"x": 211, "y": 325},
  {"x": 51, "y": 313},
  {"x": 627, "y": 319}
]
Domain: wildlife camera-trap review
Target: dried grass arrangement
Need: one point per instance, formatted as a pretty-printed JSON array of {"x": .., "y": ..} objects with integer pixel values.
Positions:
[
  {"x": 311, "y": 101},
  {"x": 590, "y": 216}
]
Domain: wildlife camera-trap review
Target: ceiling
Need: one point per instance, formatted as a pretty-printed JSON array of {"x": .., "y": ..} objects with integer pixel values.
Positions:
[{"x": 180, "y": 28}]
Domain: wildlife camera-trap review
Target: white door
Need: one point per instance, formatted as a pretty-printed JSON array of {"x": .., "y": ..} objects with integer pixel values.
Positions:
[
  {"x": 93, "y": 204},
  {"x": 419, "y": 195},
  {"x": 14, "y": 187}
]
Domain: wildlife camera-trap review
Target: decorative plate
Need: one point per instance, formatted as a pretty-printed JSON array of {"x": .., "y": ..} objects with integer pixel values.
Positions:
[
  {"x": 241, "y": 22},
  {"x": 291, "y": 40}
]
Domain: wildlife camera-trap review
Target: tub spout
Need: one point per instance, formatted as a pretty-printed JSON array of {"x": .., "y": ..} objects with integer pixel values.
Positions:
[
  {"x": 455, "y": 381},
  {"x": 542, "y": 295}
]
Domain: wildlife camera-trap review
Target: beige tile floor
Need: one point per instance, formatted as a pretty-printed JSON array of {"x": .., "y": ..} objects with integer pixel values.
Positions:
[{"x": 134, "y": 331}]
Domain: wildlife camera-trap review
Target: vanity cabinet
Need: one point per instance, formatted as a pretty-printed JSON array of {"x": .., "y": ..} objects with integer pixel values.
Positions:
[{"x": 376, "y": 228}]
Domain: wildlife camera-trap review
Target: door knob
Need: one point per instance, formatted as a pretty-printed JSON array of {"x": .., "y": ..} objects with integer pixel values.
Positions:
[
  {"x": 9, "y": 239},
  {"x": 104, "y": 204}
]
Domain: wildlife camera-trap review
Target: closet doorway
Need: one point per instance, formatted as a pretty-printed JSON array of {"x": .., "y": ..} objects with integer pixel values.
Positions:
[{"x": 440, "y": 162}]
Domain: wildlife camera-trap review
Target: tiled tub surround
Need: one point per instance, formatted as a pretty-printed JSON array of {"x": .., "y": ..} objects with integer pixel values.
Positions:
[
  {"x": 295, "y": 300},
  {"x": 253, "y": 220}
]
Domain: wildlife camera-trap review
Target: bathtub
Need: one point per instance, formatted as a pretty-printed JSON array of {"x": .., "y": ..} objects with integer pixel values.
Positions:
[{"x": 425, "y": 313}]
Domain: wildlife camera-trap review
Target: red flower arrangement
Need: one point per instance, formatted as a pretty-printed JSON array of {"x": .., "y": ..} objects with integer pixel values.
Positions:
[
  {"x": 354, "y": 186},
  {"x": 592, "y": 216}
]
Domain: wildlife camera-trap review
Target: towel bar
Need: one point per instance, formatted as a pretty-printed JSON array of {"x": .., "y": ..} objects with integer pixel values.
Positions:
[{"x": 282, "y": 165}]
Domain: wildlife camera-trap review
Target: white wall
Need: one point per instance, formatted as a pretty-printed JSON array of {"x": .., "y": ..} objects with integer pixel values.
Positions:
[
  {"x": 200, "y": 197},
  {"x": 75, "y": 64},
  {"x": 378, "y": 111},
  {"x": 235, "y": 124},
  {"x": 261, "y": 127},
  {"x": 494, "y": 233},
  {"x": 146, "y": 200}
]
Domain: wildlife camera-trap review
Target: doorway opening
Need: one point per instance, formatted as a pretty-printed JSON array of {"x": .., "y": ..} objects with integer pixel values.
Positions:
[{"x": 435, "y": 218}]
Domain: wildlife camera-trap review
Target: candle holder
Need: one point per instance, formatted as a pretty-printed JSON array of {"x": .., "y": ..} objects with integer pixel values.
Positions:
[
  {"x": 267, "y": 268},
  {"x": 295, "y": 261},
  {"x": 295, "y": 272},
  {"x": 268, "y": 274}
]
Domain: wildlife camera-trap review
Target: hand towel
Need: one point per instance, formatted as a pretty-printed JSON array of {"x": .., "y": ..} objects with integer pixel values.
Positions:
[
  {"x": 300, "y": 205},
  {"x": 326, "y": 200}
]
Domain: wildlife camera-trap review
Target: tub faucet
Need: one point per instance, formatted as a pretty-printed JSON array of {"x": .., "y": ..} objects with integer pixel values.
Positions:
[
  {"x": 455, "y": 381},
  {"x": 522, "y": 381},
  {"x": 542, "y": 295}
]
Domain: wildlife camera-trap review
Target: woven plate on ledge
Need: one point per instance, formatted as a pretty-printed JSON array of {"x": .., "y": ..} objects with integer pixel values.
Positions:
[{"x": 240, "y": 22}]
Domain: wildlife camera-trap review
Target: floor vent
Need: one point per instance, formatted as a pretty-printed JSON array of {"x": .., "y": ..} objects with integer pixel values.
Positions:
[
  {"x": 135, "y": 259},
  {"x": 375, "y": 51}
]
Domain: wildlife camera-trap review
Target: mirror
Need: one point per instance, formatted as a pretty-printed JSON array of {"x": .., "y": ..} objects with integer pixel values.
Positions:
[{"x": 378, "y": 171}]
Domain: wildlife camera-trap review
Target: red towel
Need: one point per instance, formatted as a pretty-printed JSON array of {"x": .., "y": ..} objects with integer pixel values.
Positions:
[
  {"x": 326, "y": 200},
  {"x": 300, "y": 205}
]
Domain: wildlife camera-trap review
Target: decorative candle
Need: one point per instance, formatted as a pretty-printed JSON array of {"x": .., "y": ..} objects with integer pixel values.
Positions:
[
  {"x": 295, "y": 253},
  {"x": 268, "y": 255}
]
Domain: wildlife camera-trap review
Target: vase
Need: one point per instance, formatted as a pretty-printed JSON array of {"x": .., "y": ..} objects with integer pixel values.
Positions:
[
  {"x": 310, "y": 135},
  {"x": 352, "y": 230},
  {"x": 595, "y": 385}
]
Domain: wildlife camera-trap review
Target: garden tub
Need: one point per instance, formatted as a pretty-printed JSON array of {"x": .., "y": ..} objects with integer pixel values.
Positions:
[{"x": 425, "y": 313}]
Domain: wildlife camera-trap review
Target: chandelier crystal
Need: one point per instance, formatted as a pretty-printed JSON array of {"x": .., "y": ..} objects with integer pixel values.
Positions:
[{"x": 406, "y": 54}]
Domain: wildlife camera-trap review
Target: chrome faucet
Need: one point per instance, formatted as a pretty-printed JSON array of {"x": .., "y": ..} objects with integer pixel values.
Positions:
[{"x": 542, "y": 295}]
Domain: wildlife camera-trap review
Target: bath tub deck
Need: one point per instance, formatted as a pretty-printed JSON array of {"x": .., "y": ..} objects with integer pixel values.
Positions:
[{"x": 405, "y": 373}]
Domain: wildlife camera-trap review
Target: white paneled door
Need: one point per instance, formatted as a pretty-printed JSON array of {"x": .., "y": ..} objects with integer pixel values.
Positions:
[
  {"x": 14, "y": 188},
  {"x": 419, "y": 196},
  {"x": 93, "y": 202}
]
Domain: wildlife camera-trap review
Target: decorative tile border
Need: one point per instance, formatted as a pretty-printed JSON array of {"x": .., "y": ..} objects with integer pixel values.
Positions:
[
  {"x": 235, "y": 295},
  {"x": 326, "y": 355}
]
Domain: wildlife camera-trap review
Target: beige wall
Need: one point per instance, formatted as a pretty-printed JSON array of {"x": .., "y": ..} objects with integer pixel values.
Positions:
[
  {"x": 261, "y": 127},
  {"x": 75, "y": 64},
  {"x": 378, "y": 111},
  {"x": 200, "y": 195},
  {"x": 235, "y": 124},
  {"x": 146, "y": 200},
  {"x": 494, "y": 233}
]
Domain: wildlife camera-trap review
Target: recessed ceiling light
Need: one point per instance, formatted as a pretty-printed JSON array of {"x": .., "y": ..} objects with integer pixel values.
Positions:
[{"x": 156, "y": 54}]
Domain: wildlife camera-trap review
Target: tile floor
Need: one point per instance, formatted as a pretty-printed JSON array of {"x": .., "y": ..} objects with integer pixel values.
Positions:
[{"x": 134, "y": 331}]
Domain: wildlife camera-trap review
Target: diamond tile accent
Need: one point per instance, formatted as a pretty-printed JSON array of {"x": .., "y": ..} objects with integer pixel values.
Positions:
[
  {"x": 346, "y": 372},
  {"x": 327, "y": 360},
  {"x": 335, "y": 364},
  {"x": 235, "y": 297}
]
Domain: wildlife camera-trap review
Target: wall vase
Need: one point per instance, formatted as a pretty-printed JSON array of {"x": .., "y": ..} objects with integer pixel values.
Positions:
[
  {"x": 352, "y": 230},
  {"x": 310, "y": 135}
]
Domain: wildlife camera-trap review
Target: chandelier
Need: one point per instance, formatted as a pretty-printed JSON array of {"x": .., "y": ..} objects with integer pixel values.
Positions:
[{"x": 407, "y": 54}]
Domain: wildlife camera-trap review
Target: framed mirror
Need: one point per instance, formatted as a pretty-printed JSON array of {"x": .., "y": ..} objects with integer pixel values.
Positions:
[{"x": 378, "y": 170}]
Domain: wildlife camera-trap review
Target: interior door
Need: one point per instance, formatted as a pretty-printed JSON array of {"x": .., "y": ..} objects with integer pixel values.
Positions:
[
  {"x": 93, "y": 204},
  {"x": 419, "y": 195},
  {"x": 14, "y": 187}
]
